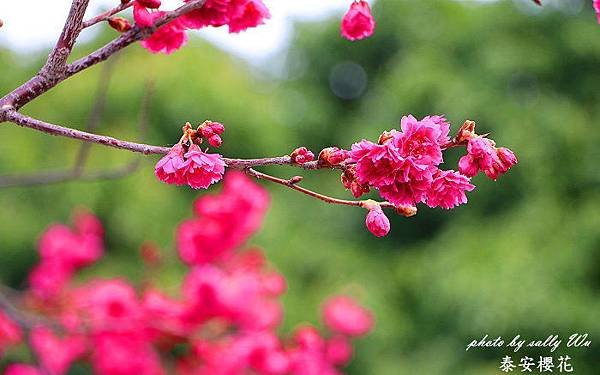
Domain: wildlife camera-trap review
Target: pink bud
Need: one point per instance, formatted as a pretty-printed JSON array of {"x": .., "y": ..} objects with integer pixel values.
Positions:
[
  {"x": 206, "y": 131},
  {"x": 302, "y": 155},
  {"x": 343, "y": 315},
  {"x": 358, "y": 22},
  {"x": 214, "y": 140},
  {"x": 217, "y": 127},
  {"x": 377, "y": 222}
]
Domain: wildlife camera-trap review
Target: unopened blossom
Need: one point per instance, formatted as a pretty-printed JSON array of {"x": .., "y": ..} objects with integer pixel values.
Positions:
[
  {"x": 171, "y": 168},
  {"x": 203, "y": 169},
  {"x": 377, "y": 222},
  {"x": 358, "y": 22},
  {"x": 244, "y": 14},
  {"x": 344, "y": 316},
  {"x": 167, "y": 38},
  {"x": 332, "y": 156},
  {"x": 302, "y": 155},
  {"x": 448, "y": 189},
  {"x": 120, "y": 24}
]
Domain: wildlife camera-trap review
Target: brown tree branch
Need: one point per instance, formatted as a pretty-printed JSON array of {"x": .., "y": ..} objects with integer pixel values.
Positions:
[
  {"x": 42, "y": 82},
  {"x": 56, "y": 63},
  {"x": 106, "y": 15}
]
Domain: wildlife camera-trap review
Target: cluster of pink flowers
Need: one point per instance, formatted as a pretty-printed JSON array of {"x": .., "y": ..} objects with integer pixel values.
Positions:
[
  {"x": 358, "y": 22},
  {"x": 239, "y": 15},
  {"x": 403, "y": 166},
  {"x": 223, "y": 320},
  {"x": 187, "y": 164}
]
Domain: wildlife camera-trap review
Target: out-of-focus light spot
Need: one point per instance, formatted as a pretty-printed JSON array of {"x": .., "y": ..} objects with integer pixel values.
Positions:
[{"x": 348, "y": 80}]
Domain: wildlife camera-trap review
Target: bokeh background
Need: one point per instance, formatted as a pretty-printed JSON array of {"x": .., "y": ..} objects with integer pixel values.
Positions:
[{"x": 523, "y": 257}]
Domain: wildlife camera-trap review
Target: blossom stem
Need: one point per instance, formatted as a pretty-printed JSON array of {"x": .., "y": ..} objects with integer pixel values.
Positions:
[
  {"x": 106, "y": 15},
  {"x": 293, "y": 184}
]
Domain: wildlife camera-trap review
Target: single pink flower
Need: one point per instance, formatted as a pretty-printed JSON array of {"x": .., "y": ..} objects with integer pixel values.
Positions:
[
  {"x": 56, "y": 354},
  {"x": 124, "y": 353},
  {"x": 377, "y": 222},
  {"x": 358, "y": 22},
  {"x": 376, "y": 165},
  {"x": 212, "y": 13},
  {"x": 167, "y": 39},
  {"x": 171, "y": 168},
  {"x": 49, "y": 278},
  {"x": 339, "y": 350},
  {"x": 481, "y": 156},
  {"x": 344, "y": 316},
  {"x": 244, "y": 14},
  {"x": 203, "y": 169},
  {"x": 421, "y": 139},
  {"x": 225, "y": 220},
  {"x": 448, "y": 189}
]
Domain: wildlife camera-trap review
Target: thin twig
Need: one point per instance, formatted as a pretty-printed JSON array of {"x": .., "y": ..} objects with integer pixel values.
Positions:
[
  {"x": 106, "y": 15},
  {"x": 293, "y": 184}
]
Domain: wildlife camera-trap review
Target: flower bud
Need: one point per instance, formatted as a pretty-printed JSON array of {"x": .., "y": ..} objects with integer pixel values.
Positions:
[
  {"x": 120, "y": 24},
  {"x": 332, "y": 156},
  {"x": 215, "y": 140},
  {"x": 217, "y": 127},
  {"x": 384, "y": 137},
  {"x": 302, "y": 155},
  {"x": 466, "y": 132},
  {"x": 377, "y": 222}
]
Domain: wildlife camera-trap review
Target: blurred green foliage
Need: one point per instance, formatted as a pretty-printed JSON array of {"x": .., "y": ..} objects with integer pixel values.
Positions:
[{"x": 523, "y": 257}]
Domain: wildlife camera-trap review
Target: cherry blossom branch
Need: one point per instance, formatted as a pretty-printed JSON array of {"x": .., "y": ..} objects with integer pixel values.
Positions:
[
  {"x": 292, "y": 183},
  {"x": 77, "y": 171},
  {"x": 50, "y": 75},
  {"x": 106, "y": 15}
]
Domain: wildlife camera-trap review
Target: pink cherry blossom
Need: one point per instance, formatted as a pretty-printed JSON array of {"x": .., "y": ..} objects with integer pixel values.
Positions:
[
  {"x": 481, "y": 156},
  {"x": 21, "y": 369},
  {"x": 56, "y": 354},
  {"x": 339, "y": 350},
  {"x": 10, "y": 333},
  {"x": 244, "y": 14},
  {"x": 225, "y": 221},
  {"x": 124, "y": 354},
  {"x": 168, "y": 38},
  {"x": 448, "y": 189},
  {"x": 344, "y": 316},
  {"x": 152, "y": 4},
  {"x": 597, "y": 8},
  {"x": 358, "y": 22},
  {"x": 422, "y": 140},
  {"x": 171, "y": 168},
  {"x": 203, "y": 169},
  {"x": 377, "y": 222},
  {"x": 212, "y": 13}
]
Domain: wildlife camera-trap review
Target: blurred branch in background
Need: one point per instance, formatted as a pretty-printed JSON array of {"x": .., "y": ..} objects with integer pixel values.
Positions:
[{"x": 77, "y": 172}]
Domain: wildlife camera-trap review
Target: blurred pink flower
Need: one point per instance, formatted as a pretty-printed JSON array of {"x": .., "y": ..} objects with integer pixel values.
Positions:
[
  {"x": 244, "y": 14},
  {"x": 56, "y": 354},
  {"x": 344, "y": 316},
  {"x": 10, "y": 333},
  {"x": 597, "y": 8},
  {"x": 21, "y": 369}
]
